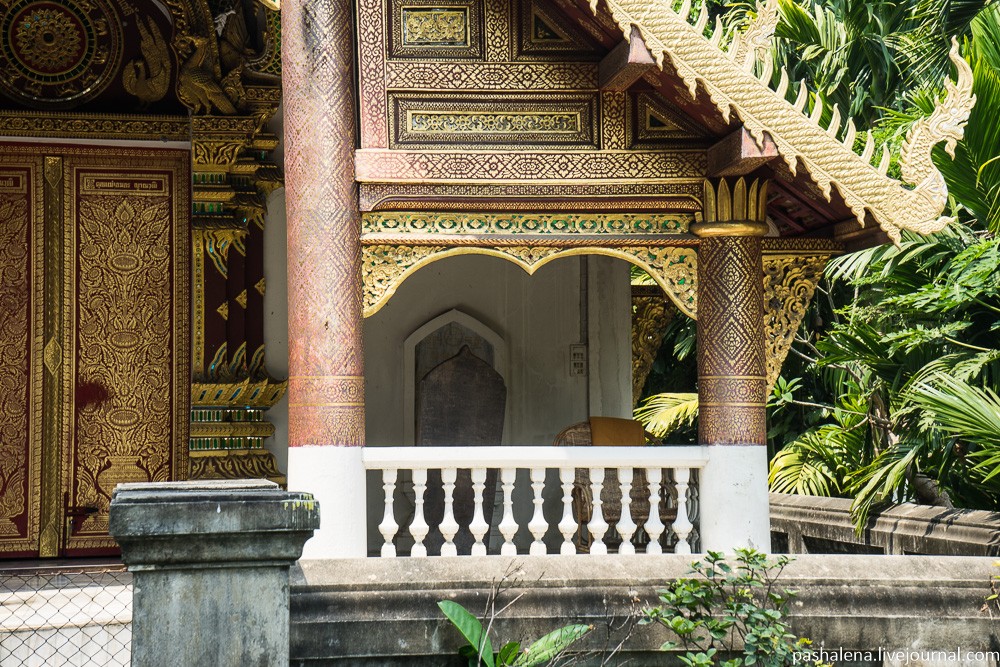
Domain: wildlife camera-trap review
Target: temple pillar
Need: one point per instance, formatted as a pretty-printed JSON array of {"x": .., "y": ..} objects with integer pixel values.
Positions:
[
  {"x": 732, "y": 384},
  {"x": 326, "y": 421}
]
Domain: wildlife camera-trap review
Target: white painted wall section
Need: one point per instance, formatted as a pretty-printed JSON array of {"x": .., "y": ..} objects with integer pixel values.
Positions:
[{"x": 734, "y": 501}]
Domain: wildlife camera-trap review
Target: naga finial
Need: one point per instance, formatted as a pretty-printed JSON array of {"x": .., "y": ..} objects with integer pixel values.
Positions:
[
  {"x": 756, "y": 39},
  {"x": 946, "y": 123}
]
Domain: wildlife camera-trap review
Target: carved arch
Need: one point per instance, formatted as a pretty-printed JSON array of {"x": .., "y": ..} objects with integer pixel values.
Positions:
[{"x": 385, "y": 267}]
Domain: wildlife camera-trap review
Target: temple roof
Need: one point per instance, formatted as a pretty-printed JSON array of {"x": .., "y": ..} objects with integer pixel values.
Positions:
[{"x": 738, "y": 81}]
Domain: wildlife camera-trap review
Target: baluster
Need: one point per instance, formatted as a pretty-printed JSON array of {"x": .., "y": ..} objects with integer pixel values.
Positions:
[
  {"x": 537, "y": 526},
  {"x": 626, "y": 526},
  {"x": 597, "y": 526},
  {"x": 508, "y": 527},
  {"x": 448, "y": 525},
  {"x": 654, "y": 525},
  {"x": 567, "y": 526},
  {"x": 419, "y": 527},
  {"x": 682, "y": 526},
  {"x": 388, "y": 527},
  {"x": 478, "y": 526}
]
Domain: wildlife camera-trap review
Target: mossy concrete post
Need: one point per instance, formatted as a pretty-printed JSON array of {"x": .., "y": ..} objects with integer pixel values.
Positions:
[{"x": 210, "y": 563}]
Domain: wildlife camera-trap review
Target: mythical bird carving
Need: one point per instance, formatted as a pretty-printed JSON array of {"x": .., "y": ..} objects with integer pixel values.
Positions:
[
  {"x": 149, "y": 78},
  {"x": 197, "y": 86}
]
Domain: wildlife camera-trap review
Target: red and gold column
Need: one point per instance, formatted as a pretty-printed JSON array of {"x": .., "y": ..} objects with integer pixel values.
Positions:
[
  {"x": 326, "y": 419},
  {"x": 732, "y": 382}
]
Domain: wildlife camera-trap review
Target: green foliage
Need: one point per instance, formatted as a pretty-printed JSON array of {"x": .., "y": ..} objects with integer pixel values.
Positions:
[
  {"x": 662, "y": 414},
  {"x": 479, "y": 648},
  {"x": 729, "y": 615}
]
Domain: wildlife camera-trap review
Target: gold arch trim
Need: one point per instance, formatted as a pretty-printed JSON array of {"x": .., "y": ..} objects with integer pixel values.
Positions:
[{"x": 386, "y": 267}]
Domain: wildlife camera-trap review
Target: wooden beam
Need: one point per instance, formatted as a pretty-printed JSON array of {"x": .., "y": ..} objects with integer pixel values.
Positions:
[
  {"x": 738, "y": 154},
  {"x": 626, "y": 64}
]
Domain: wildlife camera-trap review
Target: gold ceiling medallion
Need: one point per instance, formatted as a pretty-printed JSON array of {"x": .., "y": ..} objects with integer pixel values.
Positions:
[{"x": 56, "y": 55}]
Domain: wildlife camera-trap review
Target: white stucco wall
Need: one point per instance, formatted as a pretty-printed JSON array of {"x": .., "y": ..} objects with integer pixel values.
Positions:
[
  {"x": 276, "y": 304},
  {"x": 537, "y": 316}
]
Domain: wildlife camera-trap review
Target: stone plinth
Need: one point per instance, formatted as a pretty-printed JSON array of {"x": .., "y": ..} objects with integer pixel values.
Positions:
[{"x": 210, "y": 563}]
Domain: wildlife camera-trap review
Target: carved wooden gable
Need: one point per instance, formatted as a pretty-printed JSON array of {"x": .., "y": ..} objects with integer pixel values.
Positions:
[{"x": 486, "y": 104}]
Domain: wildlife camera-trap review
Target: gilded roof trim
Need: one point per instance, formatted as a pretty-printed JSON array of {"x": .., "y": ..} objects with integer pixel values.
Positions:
[{"x": 729, "y": 78}]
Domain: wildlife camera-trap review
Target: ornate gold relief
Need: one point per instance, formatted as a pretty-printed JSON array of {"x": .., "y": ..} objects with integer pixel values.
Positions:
[
  {"x": 148, "y": 78},
  {"x": 410, "y": 222},
  {"x": 430, "y": 29},
  {"x": 678, "y": 195},
  {"x": 435, "y": 26},
  {"x": 651, "y": 313},
  {"x": 385, "y": 267},
  {"x": 236, "y": 464},
  {"x": 515, "y": 119},
  {"x": 445, "y": 75},
  {"x": 93, "y": 126},
  {"x": 22, "y": 301},
  {"x": 789, "y": 284},
  {"x": 491, "y": 166}
]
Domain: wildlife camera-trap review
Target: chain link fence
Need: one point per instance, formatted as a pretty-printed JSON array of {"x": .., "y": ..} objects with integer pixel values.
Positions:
[{"x": 55, "y": 617}]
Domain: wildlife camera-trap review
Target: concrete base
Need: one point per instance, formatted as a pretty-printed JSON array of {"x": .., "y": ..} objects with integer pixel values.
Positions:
[
  {"x": 383, "y": 612},
  {"x": 734, "y": 499},
  {"x": 210, "y": 566},
  {"x": 335, "y": 476}
]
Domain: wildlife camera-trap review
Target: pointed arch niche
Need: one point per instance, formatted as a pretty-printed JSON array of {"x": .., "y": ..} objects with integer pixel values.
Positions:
[{"x": 429, "y": 338}]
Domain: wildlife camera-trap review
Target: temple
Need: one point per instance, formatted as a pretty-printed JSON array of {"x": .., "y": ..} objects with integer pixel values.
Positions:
[{"x": 430, "y": 208}]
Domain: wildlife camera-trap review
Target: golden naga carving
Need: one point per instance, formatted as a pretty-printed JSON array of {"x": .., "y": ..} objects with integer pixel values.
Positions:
[
  {"x": 755, "y": 41},
  {"x": 946, "y": 123},
  {"x": 826, "y": 152},
  {"x": 149, "y": 78}
]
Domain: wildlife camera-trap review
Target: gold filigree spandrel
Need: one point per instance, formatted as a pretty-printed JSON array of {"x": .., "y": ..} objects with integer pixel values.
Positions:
[{"x": 789, "y": 284}]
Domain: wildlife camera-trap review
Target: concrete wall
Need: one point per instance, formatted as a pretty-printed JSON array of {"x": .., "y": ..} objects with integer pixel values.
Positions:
[
  {"x": 383, "y": 612},
  {"x": 808, "y": 524}
]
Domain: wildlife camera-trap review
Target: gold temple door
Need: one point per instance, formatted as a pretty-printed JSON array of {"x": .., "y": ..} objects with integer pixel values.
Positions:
[{"x": 94, "y": 344}]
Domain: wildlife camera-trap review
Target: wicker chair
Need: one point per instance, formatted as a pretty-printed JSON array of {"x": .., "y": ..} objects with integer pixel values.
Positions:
[{"x": 580, "y": 435}]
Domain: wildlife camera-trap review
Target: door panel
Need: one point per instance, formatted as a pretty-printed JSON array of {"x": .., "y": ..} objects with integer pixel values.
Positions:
[
  {"x": 112, "y": 337},
  {"x": 20, "y": 356}
]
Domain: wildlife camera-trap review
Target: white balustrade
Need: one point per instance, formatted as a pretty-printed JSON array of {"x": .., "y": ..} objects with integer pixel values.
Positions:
[{"x": 544, "y": 506}]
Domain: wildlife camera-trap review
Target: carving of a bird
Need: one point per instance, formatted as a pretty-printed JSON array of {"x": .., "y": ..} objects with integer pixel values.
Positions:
[
  {"x": 196, "y": 85},
  {"x": 149, "y": 78}
]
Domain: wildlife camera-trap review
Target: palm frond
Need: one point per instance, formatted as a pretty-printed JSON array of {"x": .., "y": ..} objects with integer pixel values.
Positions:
[{"x": 661, "y": 414}]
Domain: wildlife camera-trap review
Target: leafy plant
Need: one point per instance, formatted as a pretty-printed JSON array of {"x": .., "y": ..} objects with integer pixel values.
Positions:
[
  {"x": 730, "y": 615},
  {"x": 479, "y": 649}
]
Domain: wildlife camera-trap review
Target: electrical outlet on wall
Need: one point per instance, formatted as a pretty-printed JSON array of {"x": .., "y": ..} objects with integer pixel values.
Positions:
[{"x": 578, "y": 360}]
